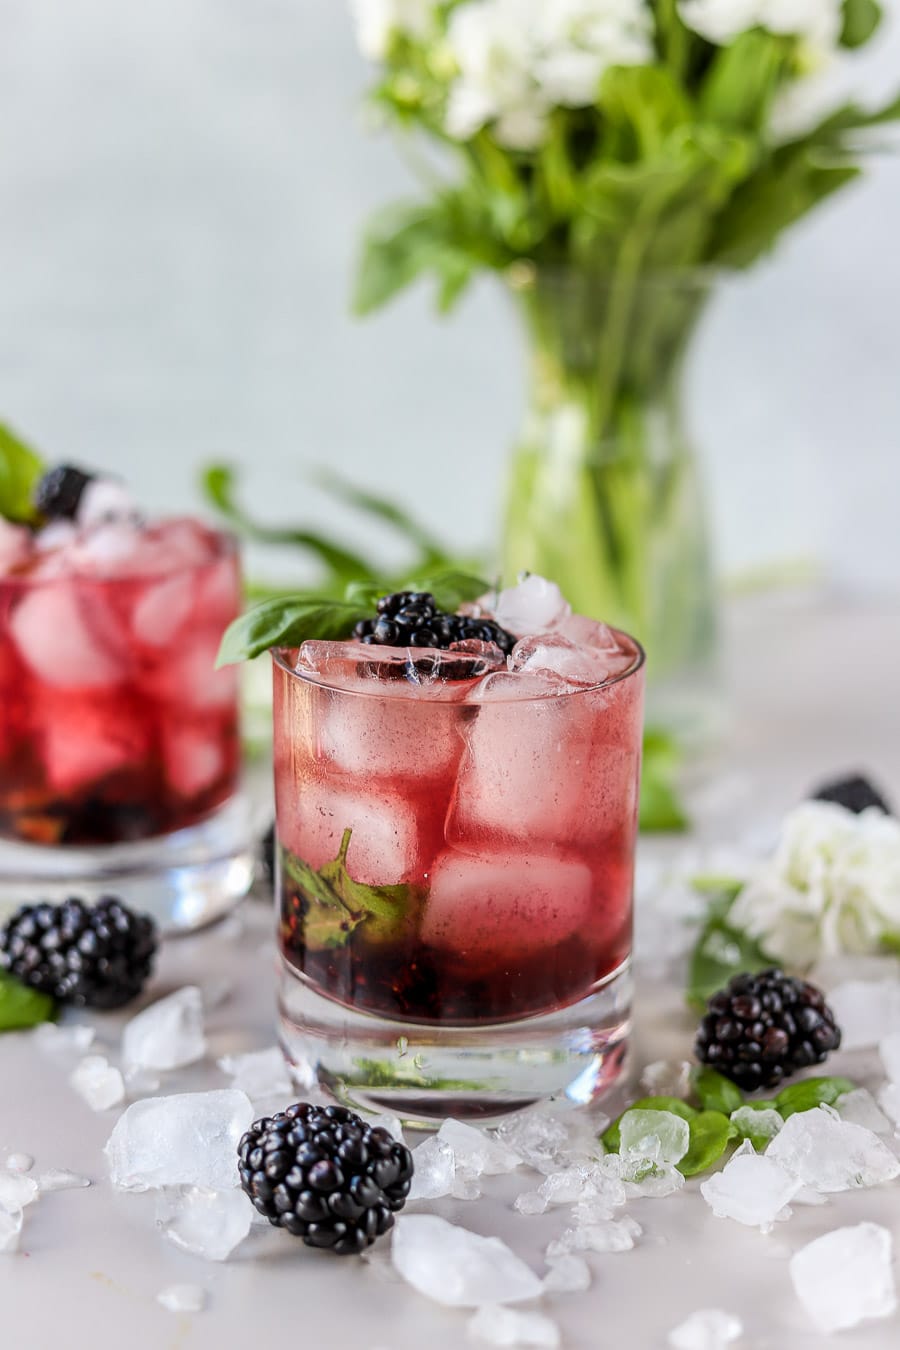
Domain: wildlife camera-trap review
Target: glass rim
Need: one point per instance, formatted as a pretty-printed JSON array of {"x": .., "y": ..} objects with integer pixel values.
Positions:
[
  {"x": 227, "y": 546},
  {"x": 637, "y": 665}
]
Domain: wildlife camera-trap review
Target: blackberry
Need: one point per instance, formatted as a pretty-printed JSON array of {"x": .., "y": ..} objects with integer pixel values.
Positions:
[
  {"x": 58, "y": 493},
  {"x": 762, "y": 1028},
  {"x": 325, "y": 1175},
  {"x": 413, "y": 619},
  {"x": 92, "y": 956},
  {"x": 854, "y": 792}
]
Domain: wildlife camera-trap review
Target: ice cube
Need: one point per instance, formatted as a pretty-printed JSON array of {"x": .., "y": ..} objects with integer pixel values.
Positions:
[
  {"x": 889, "y": 1050},
  {"x": 580, "y": 667},
  {"x": 162, "y": 609},
  {"x": 567, "y": 1186},
  {"x": 261, "y": 1074},
  {"x": 889, "y": 1101},
  {"x": 708, "y": 1329},
  {"x": 180, "y": 1298},
  {"x": 167, "y": 1035},
  {"x": 390, "y": 1123},
  {"x": 407, "y": 674},
  {"x": 17, "y": 1191},
  {"x": 536, "y": 1136},
  {"x": 640, "y": 1131},
  {"x": 531, "y": 1202},
  {"x": 189, "y": 1139},
  {"x": 753, "y": 1188},
  {"x": 601, "y": 1199},
  {"x": 15, "y": 545},
  {"x": 535, "y": 605},
  {"x": 568, "y": 1274},
  {"x": 464, "y": 1188},
  {"x": 496, "y": 907},
  {"x": 560, "y": 770},
  {"x": 19, "y": 1162},
  {"x": 607, "y": 1235},
  {"x": 493, "y": 1325},
  {"x": 477, "y": 1152},
  {"x": 865, "y": 1011},
  {"x": 651, "y": 1181},
  {"x": 758, "y": 1124},
  {"x": 98, "y": 1083},
  {"x": 194, "y": 757},
  {"x": 458, "y": 1268},
  {"x": 64, "y": 1039},
  {"x": 207, "y": 1223},
  {"x": 105, "y": 500},
  {"x": 861, "y": 1108},
  {"x": 846, "y": 1276},
  {"x": 58, "y": 642},
  {"x": 186, "y": 676},
  {"x": 10, "y": 1229},
  {"x": 435, "y": 1170},
  {"x": 830, "y": 1154},
  {"x": 84, "y": 737},
  {"x": 393, "y": 835},
  {"x": 666, "y": 1078},
  {"x": 589, "y": 633},
  {"x": 59, "y": 1179}
]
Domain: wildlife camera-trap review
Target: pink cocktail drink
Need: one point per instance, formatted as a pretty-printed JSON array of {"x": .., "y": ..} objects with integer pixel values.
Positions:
[{"x": 456, "y": 831}]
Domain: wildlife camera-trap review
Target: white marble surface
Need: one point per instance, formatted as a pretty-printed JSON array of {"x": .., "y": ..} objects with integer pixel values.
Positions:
[{"x": 814, "y": 691}]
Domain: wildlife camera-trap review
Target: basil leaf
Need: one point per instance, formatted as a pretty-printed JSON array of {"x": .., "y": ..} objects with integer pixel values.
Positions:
[
  {"x": 337, "y": 905},
  {"x": 287, "y": 621},
  {"x": 20, "y": 469},
  {"x": 720, "y": 953},
  {"x": 611, "y": 1137},
  {"x": 711, "y": 1133},
  {"x": 809, "y": 1094},
  {"x": 661, "y": 810},
  {"x": 716, "y": 1092},
  {"x": 861, "y": 20},
  {"x": 22, "y": 1007},
  {"x": 745, "y": 1130}
]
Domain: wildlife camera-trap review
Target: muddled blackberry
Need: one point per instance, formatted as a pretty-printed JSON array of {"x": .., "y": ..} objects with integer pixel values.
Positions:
[
  {"x": 92, "y": 956},
  {"x": 854, "y": 792},
  {"x": 762, "y": 1028},
  {"x": 58, "y": 494},
  {"x": 325, "y": 1175},
  {"x": 413, "y": 619}
]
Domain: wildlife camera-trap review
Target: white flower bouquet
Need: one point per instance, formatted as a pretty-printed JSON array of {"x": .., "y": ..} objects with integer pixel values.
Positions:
[{"x": 609, "y": 158}]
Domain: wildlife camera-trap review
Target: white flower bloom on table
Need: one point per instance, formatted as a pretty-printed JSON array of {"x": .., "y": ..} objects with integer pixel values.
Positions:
[
  {"x": 377, "y": 22},
  {"x": 833, "y": 886},
  {"x": 817, "y": 22},
  {"x": 518, "y": 59}
]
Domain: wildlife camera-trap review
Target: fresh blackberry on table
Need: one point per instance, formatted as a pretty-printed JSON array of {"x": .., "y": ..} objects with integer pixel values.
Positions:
[
  {"x": 854, "y": 792},
  {"x": 763, "y": 1028},
  {"x": 325, "y": 1175},
  {"x": 413, "y": 619},
  {"x": 58, "y": 494},
  {"x": 91, "y": 956}
]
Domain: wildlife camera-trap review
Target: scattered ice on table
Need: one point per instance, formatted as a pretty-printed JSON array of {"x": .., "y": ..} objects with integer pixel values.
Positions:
[
  {"x": 188, "y": 1139},
  {"x": 831, "y": 1154},
  {"x": 567, "y": 1186},
  {"x": 463, "y": 1189},
  {"x": 530, "y": 1202},
  {"x": 10, "y": 1229},
  {"x": 568, "y": 1274},
  {"x": 98, "y": 1082},
  {"x": 666, "y": 1078},
  {"x": 182, "y": 1298},
  {"x": 63, "y": 1040},
  {"x": 654, "y": 1184},
  {"x": 536, "y": 1136},
  {"x": 753, "y": 1188},
  {"x": 19, "y": 1162},
  {"x": 889, "y": 1050},
  {"x": 533, "y": 606},
  {"x": 889, "y": 1101},
  {"x": 167, "y": 1035},
  {"x": 761, "y": 1124},
  {"x": 208, "y": 1223},
  {"x": 435, "y": 1172},
  {"x": 708, "y": 1329},
  {"x": 866, "y": 1012},
  {"x": 476, "y": 1152},
  {"x": 494, "y": 1325},
  {"x": 17, "y": 1191},
  {"x": 660, "y": 1137},
  {"x": 458, "y": 1268},
  {"x": 261, "y": 1074},
  {"x": 608, "y": 1235},
  {"x": 605, "y": 1195},
  {"x": 861, "y": 1108},
  {"x": 846, "y": 1276},
  {"x": 59, "y": 1179}
]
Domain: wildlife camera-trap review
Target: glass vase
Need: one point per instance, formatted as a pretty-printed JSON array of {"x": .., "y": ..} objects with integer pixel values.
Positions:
[{"x": 604, "y": 493}]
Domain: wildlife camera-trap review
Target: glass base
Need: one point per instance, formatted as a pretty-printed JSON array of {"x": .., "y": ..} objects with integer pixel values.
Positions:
[
  {"x": 425, "y": 1073},
  {"x": 183, "y": 880}
]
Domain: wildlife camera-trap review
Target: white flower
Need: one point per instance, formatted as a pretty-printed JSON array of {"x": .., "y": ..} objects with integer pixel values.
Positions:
[
  {"x": 817, "y": 22},
  {"x": 833, "y": 886},
  {"x": 377, "y": 21},
  {"x": 518, "y": 59}
]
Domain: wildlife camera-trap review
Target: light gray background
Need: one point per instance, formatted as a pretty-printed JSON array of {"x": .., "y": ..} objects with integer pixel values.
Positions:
[{"x": 181, "y": 187}]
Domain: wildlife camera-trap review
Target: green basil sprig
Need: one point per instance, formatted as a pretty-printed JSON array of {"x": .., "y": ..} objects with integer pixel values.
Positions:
[
  {"x": 20, "y": 469},
  {"x": 22, "y": 1007}
]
